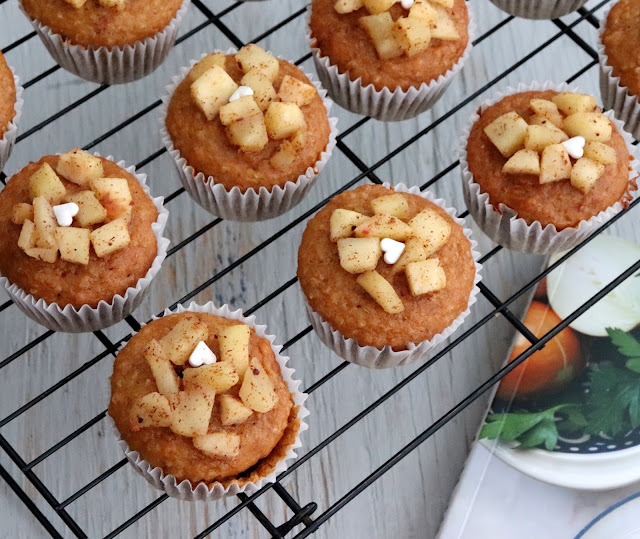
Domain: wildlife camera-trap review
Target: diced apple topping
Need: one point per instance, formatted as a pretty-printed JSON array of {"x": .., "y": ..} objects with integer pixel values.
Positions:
[
  {"x": 90, "y": 211},
  {"x": 395, "y": 205},
  {"x": 252, "y": 57},
  {"x": 282, "y": 159},
  {"x": 150, "y": 410},
  {"x": 284, "y": 120},
  {"x": 218, "y": 444},
  {"x": 234, "y": 346},
  {"x": 432, "y": 228},
  {"x": 425, "y": 11},
  {"x": 232, "y": 411},
  {"x": 523, "y": 162},
  {"x": 27, "y": 239},
  {"x": 381, "y": 291},
  {"x": 444, "y": 3},
  {"x": 545, "y": 109},
  {"x": 45, "y": 183},
  {"x": 114, "y": 195},
  {"x": 110, "y": 238},
  {"x": 79, "y": 166},
  {"x": 257, "y": 391},
  {"x": 76, "y": 3},
  {"x": 191, "y": 412},
  {"x": 425, "y": 276},
  {"x": 347, "y": 6},
  {"x": 507, "y": 133},
  {"x": 445, "y": 27},
  {"x": 239, "y": 109},
  {"x": 293, "y": 90},
  {"x": 601, "y": 153},
  {"x": 378, "y": 6},
  {"x": 538, "y": 137},
  {"x": 412, "y": 34},
  {"x": 211, "y": 90},
  {"x": 118, "y": 4},
  {"x": 249, "y": 133},
  {"x": 358, "y": 255},
  {"x": 263, "y": 91},
  {"x": 415, "y": 250},
  {"x": 593, "y": 126},
  {"x": 218, "y": 377},
  {"x": 46, "y": 224},
  {"x": 73, "y": 244},
  {"x": 343, "y": 223},
  {"x": 21, "y": 212},
  {"x": 555, "y": 164},
  {"x": 570, "y": 103},
  {"x": 380, "y": 30},
  {"x": 44, "y": 254},
  {"x": 383, "y": 225},
  {"x": 183, "y": 338},
  {"x": 204, "y": 65},
  {"x": 585, "y": 173},
  {"x": 167, "y": 380}
]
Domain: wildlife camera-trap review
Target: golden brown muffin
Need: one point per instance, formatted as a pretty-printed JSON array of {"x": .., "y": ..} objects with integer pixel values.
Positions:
[
  {"x": 558, "y": 202},
  {"x": 334, "y": 293},
  {"x": 348, "y": 46},
  {"x": 94, "y": 25},
  {"x": 66, "y": 283},
  {"x": 265, "y": 437},
  {"x": 621, "y": 42},
  {"x": 206, "y": 148},
  {"x": 7, "y": 95}
]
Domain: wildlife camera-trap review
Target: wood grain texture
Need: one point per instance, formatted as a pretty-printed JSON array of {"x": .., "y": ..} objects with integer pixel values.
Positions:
[{"x": 407, "y": 502}]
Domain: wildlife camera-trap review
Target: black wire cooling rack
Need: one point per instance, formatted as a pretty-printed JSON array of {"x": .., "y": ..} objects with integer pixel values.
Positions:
[{"x": 301, "y": 515}]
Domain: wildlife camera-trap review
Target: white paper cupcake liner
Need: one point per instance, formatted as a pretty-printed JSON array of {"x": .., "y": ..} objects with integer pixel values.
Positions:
[
  {"x": 538, "y": 9},
  {"x": 114, "y": 65},
  {"x": 385, "y": 358},
  {"x": 86, "y": 318},
  {"x": 386, "y": 104},
  {"x": 9, "y": 137},
  {"x": 503, "y": 225},
  {"x": 185, "y": 490},
  {"x": 615, "y": 96},
  {"x": 251, "y": 205}
]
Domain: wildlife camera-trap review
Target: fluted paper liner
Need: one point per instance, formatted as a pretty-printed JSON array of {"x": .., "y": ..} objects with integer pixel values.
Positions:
[
  {"x": 390, "y": 105},
  {"x": 376, "y": 358},
  {"x": 615, "y": 96},
  {"x": 185, "y": 490},
  {"x": 69, "y": 319},
  {"x": 539, "y": 9},
  {"x": 251, "y": 205},
  {"x": 503, "y": 225},
  {"x": 115, "y": 65},
  {"x": 9, "y": 136}
]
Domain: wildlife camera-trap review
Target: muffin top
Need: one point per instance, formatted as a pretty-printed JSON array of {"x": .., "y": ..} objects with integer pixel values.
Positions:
[
  {"x": 202, "y": 397},
  {"x": 103, "y": 23},
  {"x": 7, "y": 95},
  {"x": 387, "y": 45},
  {"x": 551, "y": 157},
  {"x": 410, "y": 293},
  {"x": 248, "y": 120},
  {"x": 75, "y": 229},
  {"x": 621, "y": 43}
]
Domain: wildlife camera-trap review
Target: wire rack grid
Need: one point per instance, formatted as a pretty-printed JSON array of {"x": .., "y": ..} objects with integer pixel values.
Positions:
[{"x": 301, "y": 519}]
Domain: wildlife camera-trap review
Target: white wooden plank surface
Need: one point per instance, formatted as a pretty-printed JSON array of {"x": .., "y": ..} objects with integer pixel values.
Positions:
[{"x": 409, "y": 501}]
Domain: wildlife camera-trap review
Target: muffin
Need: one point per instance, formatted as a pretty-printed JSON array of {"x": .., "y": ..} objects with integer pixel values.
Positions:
[
  {"x": 80, "y": 238},
  {"x": 543, "y": 167},
  {"x": 539, "y": 9},
  {"x": 619, "y": 64},
  {"x": 10, "y": 109},
  {"x": 378, "y": 58},
  {"x": 107, "y": 41},
  {"x": 249, "y": 133},
  {"x": 387, "y": 273},
  {"x": 204, "y": 404}
]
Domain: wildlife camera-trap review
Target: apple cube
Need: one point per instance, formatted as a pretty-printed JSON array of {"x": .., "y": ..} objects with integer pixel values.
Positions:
[
  {"x": 425, "y": 11},
  {"x": 378, "y": 6},
  {"x": 523, "y": 162},
  {"x": 415, "y": 250},
  {"x": 183, "y": 338},
  {"x": 252, "y": 56},
  {"x": 118, "y": 4},
  {"x": 239, "y": 109},
  {"x": 45, "y": 183},
  {"x": 114, "y": 195},
  {"x": 150, "y": 410},
  {"x": 425, "y": 277},
  {"x": 347, "y": 6},
  {"x": 555, "y": 164},
  {"x": 21, "y": 212},
  {"x": 431, "y": 227},
  {"x": 293, "y": 90},
  {"x": 263, "y": 91},
  {"x": 217, "y": 377},
  {"x": 211, "y": 90},
  {"x": 444, "y": 27},
  {"x": 73, "y": 244},
  {"x": 444, "y": 3},
  {"x": 585, "y": 173},
  {"x": 546, "y": 109},
  {"x": 538, "y": 137},
  {"x": 111, "y": 237},
  {"x": 234, "y": 346},
  {"x": 507, "y": 133},
  {"x": 90, "y": 211},
  {"x": 218, "y": 444},
  {"x": 358, "y": 255},
  {"x": 344, "y": 222},
  {"x": 257, "y": 391},
  {"x": 395, "y": 205},
  {"x": 283, "y": 159},
  {"x": 191, "y": 412},
  {"x": 249, "y": 133},
  {"x": 44, "y": 254},
  {"x": 232, "y": 411},
  {"x": 570, "y": 103},
  {"x": 204, "y": 65},
  {"x": 79, "y": 166},
  {"x": 388, "y": 48},
  {"x": 593, "y": 126},
  {"x": 412, "y": 34},
  {"x": 380, "y": 30},
  {"x": 76, "y": 3},
  {"x": 599, "y": 152},
  {"x": 46, "y": 224},
  {"x": 283, "y": 120},
  {"x": 27, "y": 238},
  {"x": 381, "y": 291},
  {"x": 164, "y": 374},
  {"x": 383, "y": 225}
]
